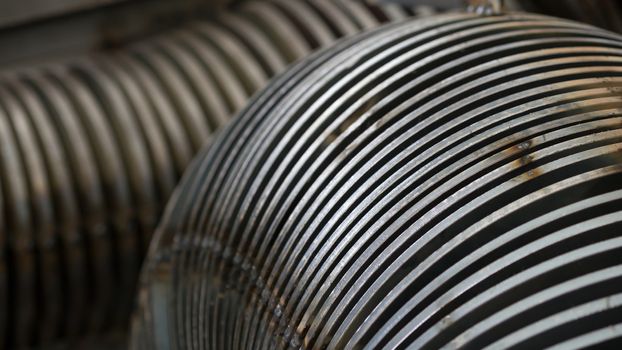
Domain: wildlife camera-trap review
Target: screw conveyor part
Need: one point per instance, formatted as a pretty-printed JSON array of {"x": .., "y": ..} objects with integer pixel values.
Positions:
[{"x": 449, "y": 182}]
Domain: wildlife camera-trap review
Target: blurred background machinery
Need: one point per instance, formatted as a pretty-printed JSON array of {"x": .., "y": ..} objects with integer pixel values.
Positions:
[
  {"x": 103, "y": 105},
  {"x": 100, "y": 117}
]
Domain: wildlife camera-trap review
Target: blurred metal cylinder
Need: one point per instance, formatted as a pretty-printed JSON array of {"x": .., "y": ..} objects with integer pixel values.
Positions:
[{"x": 92, "y": 147}]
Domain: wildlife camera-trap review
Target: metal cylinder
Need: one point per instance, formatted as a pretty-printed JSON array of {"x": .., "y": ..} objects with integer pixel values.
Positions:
[{"x": 447, "y": 182}]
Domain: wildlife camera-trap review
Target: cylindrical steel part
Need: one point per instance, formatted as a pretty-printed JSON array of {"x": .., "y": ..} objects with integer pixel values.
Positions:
[{"x": 446, "y": 182}]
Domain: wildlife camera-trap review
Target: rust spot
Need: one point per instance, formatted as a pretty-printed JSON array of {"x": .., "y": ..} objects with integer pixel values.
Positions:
[
  {"x": 534, "y": 173},
  {"x": 524, "y": 160},
  {"x": 616, "y": 90},
  {"x": 351, "y": 119},
  {"x": 616, "y": 156},
  {"x": 525, "y": 145},
  {"x": 517, "y": 148},
  {"x": 330, "y": 138}
]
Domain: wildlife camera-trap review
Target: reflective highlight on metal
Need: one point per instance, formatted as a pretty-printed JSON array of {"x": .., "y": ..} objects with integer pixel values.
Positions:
[
  {"x": 91, "y": 149},
  {"x": 447, "y": 182}
]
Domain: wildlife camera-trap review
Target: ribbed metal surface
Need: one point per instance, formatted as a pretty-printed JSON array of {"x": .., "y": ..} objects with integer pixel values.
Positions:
[
  {"x": 453, "y": 182},
  {"x": 91, "y": 150}
]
